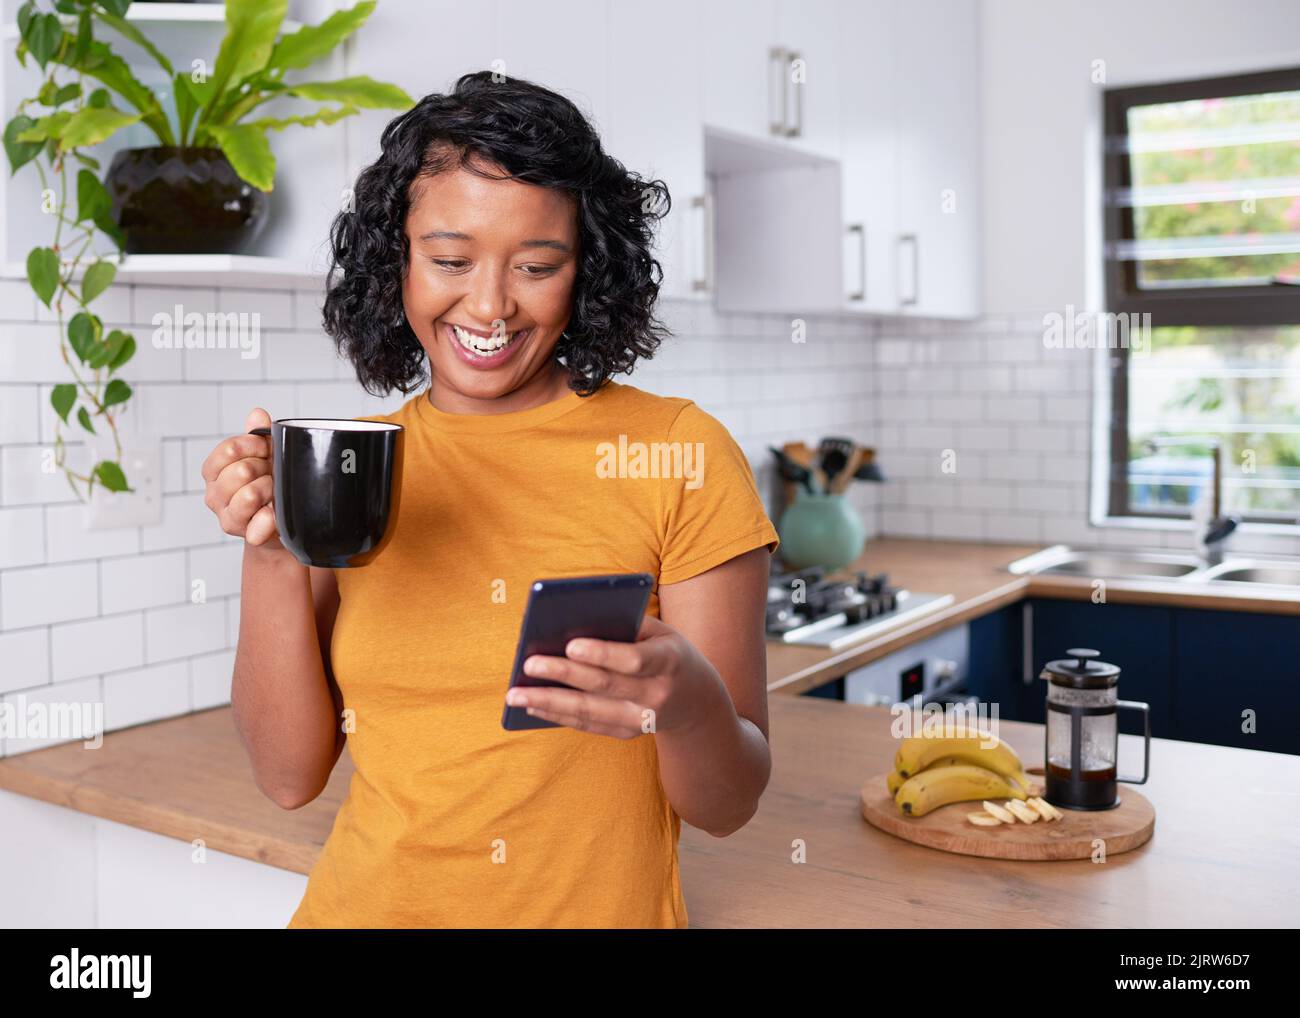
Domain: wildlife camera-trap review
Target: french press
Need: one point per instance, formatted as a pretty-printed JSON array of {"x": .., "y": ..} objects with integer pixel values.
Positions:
[{"x": 1083, "y": 732}]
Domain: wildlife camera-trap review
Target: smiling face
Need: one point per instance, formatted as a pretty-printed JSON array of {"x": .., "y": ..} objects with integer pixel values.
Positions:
[{"x": 489, "y": 289}]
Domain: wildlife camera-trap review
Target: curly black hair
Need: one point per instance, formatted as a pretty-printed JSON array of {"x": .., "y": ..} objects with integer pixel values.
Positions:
[{"x": 498, "y": 126}]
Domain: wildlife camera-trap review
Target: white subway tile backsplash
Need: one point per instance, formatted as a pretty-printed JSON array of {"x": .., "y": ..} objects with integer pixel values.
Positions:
[
  {"x": 76, "y": 707},
  {"x": 184, "y": 630},
  {"x": 148, "y": 694},
  {"x": 24, "y": 659},
  {"x": 959, "y": 524},
  {"x": 22, "y": 537},
  {"x": 1047, "y": 438},
  {"x": 175, "y": 411},
  {"x": 153, "y": 360},
  {"x": 1052, "y": 498},
  {"x": 1015, "y": 413},
  {"x": 1012, "y": 527},
  {"x": 274, "y": 308},
  {"x": 29, "y": 352},
  {"x": 157, "y": 305},
  {"x": 40, "y": 595},
  {"x": 291, "y": 356},
  {"x": 1012, "y": 467},
  {"x": 186, "y": 522},
  {"x": 97, "y": 646},
  {"x": 210, "y": 676},
  {"x": 143, "y": 581},
  {"x": 910, "y": 522},
  {"x": 307, "y": 310},
  {"x": 237, "y": 401},
  {"x": 1013, "y": 409},
  {"x": 986, "y": 437},
  {"x": 218, "y": 568},
  {"x": 67, "y": 539},
  {"x": 19, "y": 421},
  {"x": 985, "y": 495},
  {"x": 173, "y": 466},
  {"x": 17, "y": 300},
  {"x": 232, "y": 621},
  {"x": 233, "y": 363}
]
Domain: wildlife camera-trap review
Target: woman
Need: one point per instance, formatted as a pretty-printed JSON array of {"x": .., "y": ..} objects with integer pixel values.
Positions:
[{"x": 494, "y": 240}]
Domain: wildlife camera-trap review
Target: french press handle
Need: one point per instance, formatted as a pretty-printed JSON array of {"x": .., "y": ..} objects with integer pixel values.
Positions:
[{"x": 1146, "y": 737}]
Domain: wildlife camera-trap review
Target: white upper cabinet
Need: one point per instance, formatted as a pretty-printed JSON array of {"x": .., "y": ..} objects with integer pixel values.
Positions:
[
  {"x": 869, "y": 152},
  {"x": 654, "y": 126},
  {"x": 938, "y": 133},
  {"x": 808, "y": 32},
  {"x": 741, "y": 79},
  {"x": 561, "y": 45}
]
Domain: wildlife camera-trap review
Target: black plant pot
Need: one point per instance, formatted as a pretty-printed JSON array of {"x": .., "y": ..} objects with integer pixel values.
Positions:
[{"x": 172, "y": 200}]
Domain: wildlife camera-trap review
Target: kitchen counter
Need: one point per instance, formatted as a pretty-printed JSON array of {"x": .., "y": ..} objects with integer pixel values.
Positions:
[
  {"x": 975, "y": 574},
  {"x": 1223, "y": 853}
]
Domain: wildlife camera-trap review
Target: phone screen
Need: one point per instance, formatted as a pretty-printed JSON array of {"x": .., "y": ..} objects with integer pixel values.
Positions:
[{"x": 600, "y": 607}]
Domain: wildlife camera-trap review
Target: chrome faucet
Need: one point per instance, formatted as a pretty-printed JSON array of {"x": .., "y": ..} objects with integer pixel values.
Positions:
[{"x": 1209, "y": 544}]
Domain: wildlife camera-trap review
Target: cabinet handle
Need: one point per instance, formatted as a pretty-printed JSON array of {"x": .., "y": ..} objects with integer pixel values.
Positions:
[
  {"x": 705, "y": 284},
  {"x": 861, "y": 292},
  {"x": 795, "y": 131},
  {"x": 1027, "y": 675},
  {"x": 777, "y": 57},
  {"x": 910, "y": 239}
]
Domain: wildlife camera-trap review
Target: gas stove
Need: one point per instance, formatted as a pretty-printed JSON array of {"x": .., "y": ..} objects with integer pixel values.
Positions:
[{"x": 805, "y": 607}]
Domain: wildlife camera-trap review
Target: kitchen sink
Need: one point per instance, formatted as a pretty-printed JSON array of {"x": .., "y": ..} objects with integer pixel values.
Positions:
[
  {"x": 1256, "y": 572},
  {"x": 1128, "y": 565},
  {"x": 1061, "y": 560}
]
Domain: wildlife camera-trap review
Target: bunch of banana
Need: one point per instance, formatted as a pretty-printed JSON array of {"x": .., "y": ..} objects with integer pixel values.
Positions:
[
  {"x": 939, "y": 786},
  {"x": 894, "y": 780},
  {"x": 979, "y": 749}
]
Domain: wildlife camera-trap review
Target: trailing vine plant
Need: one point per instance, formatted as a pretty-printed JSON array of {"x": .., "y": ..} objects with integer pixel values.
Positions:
[
  {"x": 212, "y": 108},
  {"x": 67, "y": 275}
]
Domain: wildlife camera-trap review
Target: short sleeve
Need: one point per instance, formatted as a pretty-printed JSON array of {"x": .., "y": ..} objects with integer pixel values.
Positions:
[{"x": 712, "y": 512}]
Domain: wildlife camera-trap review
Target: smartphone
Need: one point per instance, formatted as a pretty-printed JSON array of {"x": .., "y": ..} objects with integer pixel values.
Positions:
[{"x": 601, "y": 607}]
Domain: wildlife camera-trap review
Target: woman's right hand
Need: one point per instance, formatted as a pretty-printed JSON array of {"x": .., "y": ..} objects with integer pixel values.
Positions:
[{"x": 239, "y": 485}]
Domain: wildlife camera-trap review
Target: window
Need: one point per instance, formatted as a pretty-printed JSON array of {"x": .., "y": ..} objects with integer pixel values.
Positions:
[{"x": 1202, "y": 224}]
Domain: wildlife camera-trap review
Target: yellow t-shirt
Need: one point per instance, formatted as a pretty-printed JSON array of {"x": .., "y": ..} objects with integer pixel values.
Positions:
[{"x": 450, "y": 820}]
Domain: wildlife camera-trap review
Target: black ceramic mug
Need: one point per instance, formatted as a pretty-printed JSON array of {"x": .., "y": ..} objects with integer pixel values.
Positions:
[{"x": 337, "y": 487}]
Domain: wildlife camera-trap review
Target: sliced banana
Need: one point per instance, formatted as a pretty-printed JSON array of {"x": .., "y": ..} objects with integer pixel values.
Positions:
[
  {"x": 1002, "y": 815},
  {"x": 983, "y": 819},
  {"x": 1022, "y": 811},
  {"x": 1041, "y": 808},
  {"x": 1056, "y": 813}
]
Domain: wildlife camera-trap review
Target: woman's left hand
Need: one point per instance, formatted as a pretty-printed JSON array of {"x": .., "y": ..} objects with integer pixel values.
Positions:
[{"x": 660, "y": 683}]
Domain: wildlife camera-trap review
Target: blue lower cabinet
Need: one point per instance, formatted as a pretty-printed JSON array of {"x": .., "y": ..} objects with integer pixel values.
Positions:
[
  {"x": 996, "y": 673},
  {"x": 1138, "y": 639},
  {"x": 1230, "y": 663}
]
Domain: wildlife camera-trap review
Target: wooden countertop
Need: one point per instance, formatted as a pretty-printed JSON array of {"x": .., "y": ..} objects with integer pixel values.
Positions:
[
  {"x": 1223, "y": 854},
  {"x": 975, "y": 574}
]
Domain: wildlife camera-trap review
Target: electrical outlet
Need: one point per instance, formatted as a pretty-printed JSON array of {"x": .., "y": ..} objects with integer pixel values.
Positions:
[{"x": 138, "y": 507}]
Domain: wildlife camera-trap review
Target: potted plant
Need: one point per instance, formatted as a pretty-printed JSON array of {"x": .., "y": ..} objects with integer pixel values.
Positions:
[{"x": 202, "y": 188}]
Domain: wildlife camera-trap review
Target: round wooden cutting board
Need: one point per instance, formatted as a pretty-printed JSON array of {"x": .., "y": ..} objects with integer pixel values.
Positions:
[{"x": 1125, "y": 827}]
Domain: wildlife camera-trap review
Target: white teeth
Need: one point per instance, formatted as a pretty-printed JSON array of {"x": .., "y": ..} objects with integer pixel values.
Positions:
[{"x": 481, "y": 344}]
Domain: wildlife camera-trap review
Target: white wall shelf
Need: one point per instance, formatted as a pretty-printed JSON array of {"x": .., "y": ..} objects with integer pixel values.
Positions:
[
  {"x": 163, "y": 13},
  {"x": 240, "y": 271}
]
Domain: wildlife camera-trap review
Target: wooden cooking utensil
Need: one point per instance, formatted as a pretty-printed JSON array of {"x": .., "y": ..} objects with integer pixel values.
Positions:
[{"x": 845, "y": 476}]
